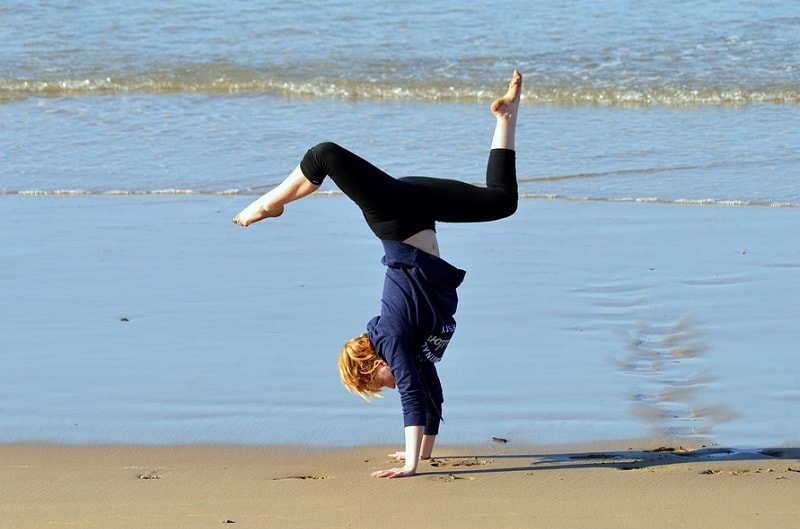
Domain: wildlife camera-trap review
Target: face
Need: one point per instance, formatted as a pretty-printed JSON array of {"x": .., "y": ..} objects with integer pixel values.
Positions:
[{"x": 383, "y": 376}]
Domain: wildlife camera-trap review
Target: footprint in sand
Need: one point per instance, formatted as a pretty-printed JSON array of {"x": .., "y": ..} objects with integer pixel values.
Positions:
[
  {"x": 452, "y": 477},
  {"x": 300, "y": 478},
  {"x": 734, "y": 471},
  {"x": 448, "y": 462}
]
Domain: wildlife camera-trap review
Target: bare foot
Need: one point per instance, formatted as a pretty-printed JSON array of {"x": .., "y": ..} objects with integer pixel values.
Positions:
[
  {"x": 255, "y": 212},
  {"x": 506, "y": 106}
]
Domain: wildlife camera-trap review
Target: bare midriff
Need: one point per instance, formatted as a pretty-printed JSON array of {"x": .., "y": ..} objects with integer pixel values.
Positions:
[{"x": 425, "y": 240}]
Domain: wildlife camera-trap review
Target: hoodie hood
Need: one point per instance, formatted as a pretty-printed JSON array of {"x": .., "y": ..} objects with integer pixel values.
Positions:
[{"x": 435, "y": 270}]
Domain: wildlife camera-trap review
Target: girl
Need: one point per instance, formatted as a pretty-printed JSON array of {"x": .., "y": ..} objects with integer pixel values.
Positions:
[{"x": 402, "y": 345}]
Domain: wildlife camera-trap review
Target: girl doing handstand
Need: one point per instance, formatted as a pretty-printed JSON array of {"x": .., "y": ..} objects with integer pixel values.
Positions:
[{"x": 402, "y": 345}]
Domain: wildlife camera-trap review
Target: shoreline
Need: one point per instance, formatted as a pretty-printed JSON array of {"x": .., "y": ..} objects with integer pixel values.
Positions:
[{"x": 621, "y": 484}]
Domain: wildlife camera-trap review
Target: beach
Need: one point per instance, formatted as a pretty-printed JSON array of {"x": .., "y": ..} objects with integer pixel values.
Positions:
[
  {"x": 189, "y": 338},
  {"x": 617, "y": 485},
  {"x": 627, "y": 340}
]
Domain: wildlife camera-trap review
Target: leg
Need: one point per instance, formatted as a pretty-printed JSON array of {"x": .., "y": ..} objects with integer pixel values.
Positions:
[
  {"x": 455, "y": 201},
  {"x": 505, "y": 110},
  {"x": 294, "y": 187},
  {"x": 399, "y": 209},
  {"x": 393, "y": 209}
]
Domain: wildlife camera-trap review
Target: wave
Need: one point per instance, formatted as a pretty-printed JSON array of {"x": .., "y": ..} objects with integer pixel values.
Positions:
[
  {"x": 231, "y": 83},
  {"x": 523, "y": 195},
  {"x": 598, "y": 174},
  {"x": 655, "y": 200}
]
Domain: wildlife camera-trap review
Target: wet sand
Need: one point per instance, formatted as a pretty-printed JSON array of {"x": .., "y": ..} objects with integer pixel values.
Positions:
[{"x": 154, "y": 320}]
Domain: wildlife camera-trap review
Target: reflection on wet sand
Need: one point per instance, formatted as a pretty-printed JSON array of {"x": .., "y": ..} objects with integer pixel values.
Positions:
[{"x": 666, "y": 364}]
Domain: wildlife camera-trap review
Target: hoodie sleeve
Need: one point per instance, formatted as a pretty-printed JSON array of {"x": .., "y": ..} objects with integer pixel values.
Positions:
[
  {"x": 435, "y": 397},
  {"x": 399, "y": 354}
]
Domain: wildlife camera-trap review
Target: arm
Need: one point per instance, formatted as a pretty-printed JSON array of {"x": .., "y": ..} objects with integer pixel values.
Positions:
[
  {"x": 425, "y": 451},
  {"x": 418, "y": 446},
  {"x": 413, "y": 447},
  {"x": 398, "y": 349},
  {"x": 427, "y": 446}
]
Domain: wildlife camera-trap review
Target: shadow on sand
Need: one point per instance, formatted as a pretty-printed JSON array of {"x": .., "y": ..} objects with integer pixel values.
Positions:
[{"x": 717, "y": 458}]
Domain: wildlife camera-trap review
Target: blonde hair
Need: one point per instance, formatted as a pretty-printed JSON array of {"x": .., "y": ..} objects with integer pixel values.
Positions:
[{"x": 358, "y": 363}]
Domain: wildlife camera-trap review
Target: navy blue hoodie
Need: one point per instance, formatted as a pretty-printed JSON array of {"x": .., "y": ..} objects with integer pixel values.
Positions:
[{"x": 414, "y": 327}]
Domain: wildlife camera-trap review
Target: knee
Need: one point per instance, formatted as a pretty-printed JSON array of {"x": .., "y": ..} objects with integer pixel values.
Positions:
[
  {"x": 507, "y": 206},
  {"x": 324, "y": 150},
  {"x": 316, "y": 162}
]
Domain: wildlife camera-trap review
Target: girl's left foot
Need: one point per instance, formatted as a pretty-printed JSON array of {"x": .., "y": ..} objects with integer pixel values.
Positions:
[{"x": 255, "y": 212}]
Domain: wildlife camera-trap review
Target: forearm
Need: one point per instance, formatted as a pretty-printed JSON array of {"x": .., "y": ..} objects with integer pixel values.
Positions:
[
  {"x": 418, "y": 446},
  {"x": 426, "y": 449},
  {"x": 414, "y": 444}
]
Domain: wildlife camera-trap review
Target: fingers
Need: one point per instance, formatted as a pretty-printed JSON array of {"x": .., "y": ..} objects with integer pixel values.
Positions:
[{"x": 393, "y": 473}]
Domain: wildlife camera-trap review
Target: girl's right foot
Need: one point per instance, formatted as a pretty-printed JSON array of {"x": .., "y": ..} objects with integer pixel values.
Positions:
[{"x": 506, "y": 106}]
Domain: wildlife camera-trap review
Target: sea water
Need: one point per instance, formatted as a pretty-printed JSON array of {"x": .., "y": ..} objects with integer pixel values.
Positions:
[{"x": 646, "y": 285}]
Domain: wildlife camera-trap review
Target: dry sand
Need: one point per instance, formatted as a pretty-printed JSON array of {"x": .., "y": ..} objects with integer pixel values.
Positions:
[{"x": 501, "y": 485}]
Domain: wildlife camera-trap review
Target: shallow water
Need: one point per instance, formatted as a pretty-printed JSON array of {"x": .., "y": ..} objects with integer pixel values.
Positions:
[
  {"x": 242, "y": 145},
  {"x": 695, "y": 101},
  {"x": 680, "y": 53}
]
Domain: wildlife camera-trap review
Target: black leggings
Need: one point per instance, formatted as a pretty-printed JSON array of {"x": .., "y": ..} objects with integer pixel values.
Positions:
[{"x": 396, "y": 209}]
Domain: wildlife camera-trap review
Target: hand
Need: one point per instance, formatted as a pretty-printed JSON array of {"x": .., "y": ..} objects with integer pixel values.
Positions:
[
  {"x": 414, "y": 444},
  {"x": 394, "y": 473}
]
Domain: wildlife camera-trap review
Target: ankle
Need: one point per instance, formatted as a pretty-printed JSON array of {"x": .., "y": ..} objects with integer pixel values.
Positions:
[{"x": 272, "y": 209}]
